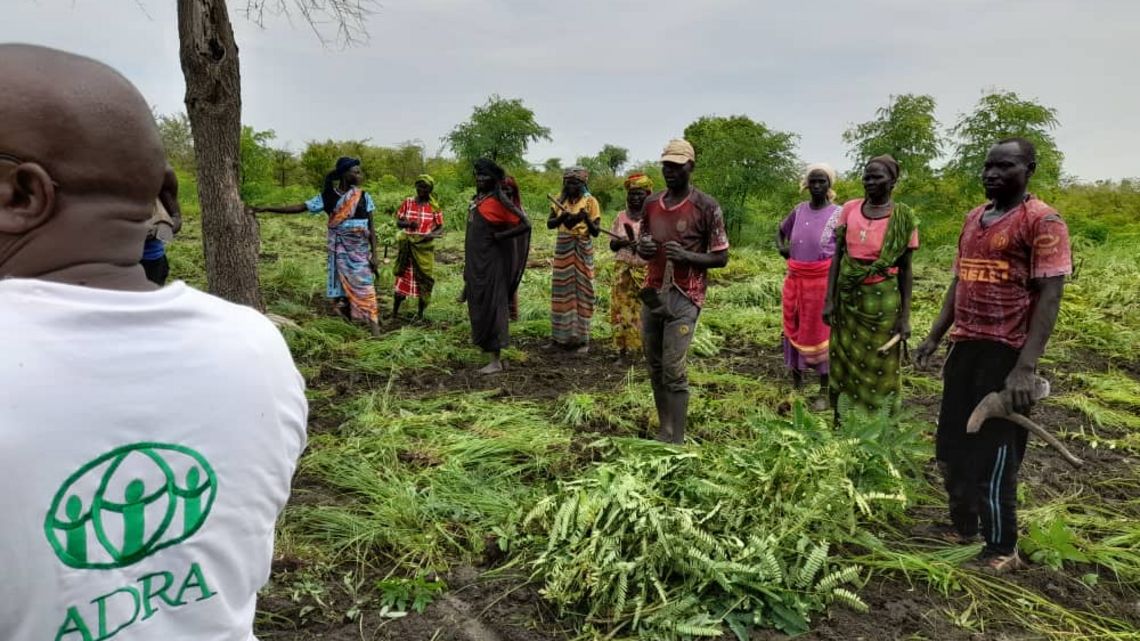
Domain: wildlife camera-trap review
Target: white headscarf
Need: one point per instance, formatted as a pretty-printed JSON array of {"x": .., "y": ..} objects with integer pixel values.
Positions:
[{"x": 825, "y": 168}]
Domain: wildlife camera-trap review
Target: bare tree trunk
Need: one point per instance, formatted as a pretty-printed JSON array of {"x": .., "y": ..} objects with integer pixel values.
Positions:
[{"x": 213, "y": 102}]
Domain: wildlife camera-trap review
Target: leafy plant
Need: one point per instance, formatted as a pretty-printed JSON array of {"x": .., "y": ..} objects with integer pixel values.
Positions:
[
  {"x": 1052, "y": 544},
  {"x": 415, "y": 593},
  {"x": 671, "y": 542}
]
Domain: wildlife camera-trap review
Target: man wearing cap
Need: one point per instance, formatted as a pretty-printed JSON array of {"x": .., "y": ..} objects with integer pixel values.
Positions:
[{"x": 682, "y": 236}]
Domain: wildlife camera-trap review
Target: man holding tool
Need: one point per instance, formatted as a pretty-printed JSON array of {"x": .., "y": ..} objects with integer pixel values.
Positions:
[
  {"x": 682, "y": 235},
  {"x": 1013, "y": 256}
]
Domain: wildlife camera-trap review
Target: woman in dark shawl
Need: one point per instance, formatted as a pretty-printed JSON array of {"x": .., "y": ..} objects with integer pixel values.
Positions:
[{"x": 494, "y": 261}]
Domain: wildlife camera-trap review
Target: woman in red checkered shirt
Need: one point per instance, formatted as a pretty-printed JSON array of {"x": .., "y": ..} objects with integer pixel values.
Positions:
[{"x": 421, "y": 219}]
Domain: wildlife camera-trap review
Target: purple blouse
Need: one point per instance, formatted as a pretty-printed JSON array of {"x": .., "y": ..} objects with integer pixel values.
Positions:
[{"x": 810, "y": 233}]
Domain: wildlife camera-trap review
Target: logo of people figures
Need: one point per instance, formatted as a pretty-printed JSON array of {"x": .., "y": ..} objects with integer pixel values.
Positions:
[{"x": 128, "y": 504}]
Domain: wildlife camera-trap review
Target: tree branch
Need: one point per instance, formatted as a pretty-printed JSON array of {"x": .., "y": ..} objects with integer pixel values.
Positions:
[{"x": 347, "y": 17}]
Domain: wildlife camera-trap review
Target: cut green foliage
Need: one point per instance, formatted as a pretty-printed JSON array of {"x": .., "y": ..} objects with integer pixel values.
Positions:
[{"x": 660, "y": 540}]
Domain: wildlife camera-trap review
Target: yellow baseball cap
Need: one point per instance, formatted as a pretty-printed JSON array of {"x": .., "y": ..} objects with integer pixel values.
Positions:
[{"x": 679, "y": 151}]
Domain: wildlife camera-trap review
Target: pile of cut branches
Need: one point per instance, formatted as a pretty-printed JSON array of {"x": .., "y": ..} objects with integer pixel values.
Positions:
[{"x": 666, "y": 542}]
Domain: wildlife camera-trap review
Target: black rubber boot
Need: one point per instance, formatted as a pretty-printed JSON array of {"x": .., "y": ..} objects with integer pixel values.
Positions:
[
  {"x": 660, "y": 399},
  {"x": 678, "y": 409}
]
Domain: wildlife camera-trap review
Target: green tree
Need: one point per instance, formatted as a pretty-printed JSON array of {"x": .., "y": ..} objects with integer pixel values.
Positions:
[
  {"x": 1002, "y": 114},
  {"x": 406, "y": 161},
  {"x": 177, "y": 140},
  {"x": 906, "y": 129},
  {"x": 552, "y": 166},
  {"x": 592, "y": 164},
  {"x": 613, "y": 158},
  {"x": 286, "y": 167},
  {"x": 501, "y": 129},
  {"x": 739, "y": 158},
  {"x": 257, "y": 158},
  {"x": 319, "y": 158}
]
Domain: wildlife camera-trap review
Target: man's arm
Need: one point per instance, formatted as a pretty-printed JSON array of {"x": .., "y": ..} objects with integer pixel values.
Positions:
[
  {"x": 941, "y": 325},
  {"x": 716, "y": 238},
  {"x": 1020, "y": 381},
  {"x": 703, "y": 260},
  {"x": 646, "y": 247}
]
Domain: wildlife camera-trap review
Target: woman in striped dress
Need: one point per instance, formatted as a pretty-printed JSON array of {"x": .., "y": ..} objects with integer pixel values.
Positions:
[
  {"x": 577, "y": 217},
  {"x": 351, "y": 240}
]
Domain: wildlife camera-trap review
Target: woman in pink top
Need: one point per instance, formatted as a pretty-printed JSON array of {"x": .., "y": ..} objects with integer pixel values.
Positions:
[
  {"x": 629, "y": 268},
  {"x": 869, "y": 293}
]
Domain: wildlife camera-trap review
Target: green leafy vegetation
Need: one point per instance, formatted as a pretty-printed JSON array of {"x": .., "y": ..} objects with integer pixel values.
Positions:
[
  {"x": 418, "y": 471},
  {"x": 668, "y": 542}
]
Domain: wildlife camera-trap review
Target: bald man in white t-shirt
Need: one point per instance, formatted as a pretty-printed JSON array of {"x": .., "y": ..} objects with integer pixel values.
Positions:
[{"x": 147, "y": 435}]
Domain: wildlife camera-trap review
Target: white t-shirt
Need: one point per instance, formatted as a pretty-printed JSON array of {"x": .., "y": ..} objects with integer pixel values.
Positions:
[{"x": 147, "y": 444}]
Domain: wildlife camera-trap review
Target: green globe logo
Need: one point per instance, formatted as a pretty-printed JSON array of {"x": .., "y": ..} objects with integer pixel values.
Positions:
[{"x": 128, "y": 504}]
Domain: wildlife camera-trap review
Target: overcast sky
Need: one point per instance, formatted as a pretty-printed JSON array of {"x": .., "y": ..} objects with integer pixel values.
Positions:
[{"x": 635, "y": 73}]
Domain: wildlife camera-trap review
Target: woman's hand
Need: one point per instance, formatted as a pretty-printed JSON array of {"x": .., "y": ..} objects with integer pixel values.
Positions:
[
  {"x": 902, "y": 328},
  {"x": 828, "y": 311}
]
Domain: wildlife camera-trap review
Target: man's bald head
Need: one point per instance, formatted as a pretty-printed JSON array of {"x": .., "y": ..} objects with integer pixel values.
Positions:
[{"x": 81, "y": 163}]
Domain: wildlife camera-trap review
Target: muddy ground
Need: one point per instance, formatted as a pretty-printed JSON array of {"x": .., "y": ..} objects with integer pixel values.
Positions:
[{"x": 486, "y": 603}]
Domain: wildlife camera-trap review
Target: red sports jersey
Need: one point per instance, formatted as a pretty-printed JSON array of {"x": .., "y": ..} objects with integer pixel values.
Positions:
[
  {"x": 995, "y": 264},
  {"x": 697, "y": 224}
]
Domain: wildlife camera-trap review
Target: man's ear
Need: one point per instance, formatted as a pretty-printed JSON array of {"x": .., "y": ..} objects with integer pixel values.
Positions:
[
  {"x": 27, "y": 198},
  {"x": 1032, "y": 170}
]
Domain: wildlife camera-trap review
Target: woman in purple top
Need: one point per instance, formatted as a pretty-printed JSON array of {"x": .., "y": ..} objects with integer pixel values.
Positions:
[{"x": 806, "y": 239}]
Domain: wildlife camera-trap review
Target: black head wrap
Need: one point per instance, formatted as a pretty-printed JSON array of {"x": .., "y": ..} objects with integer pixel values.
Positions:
[
  {"x": 344, "y": 163},
  {"x": 490, "y": 168},
  {"x": 329, "y": 197},
  {"x": 889, "y": 163}
]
